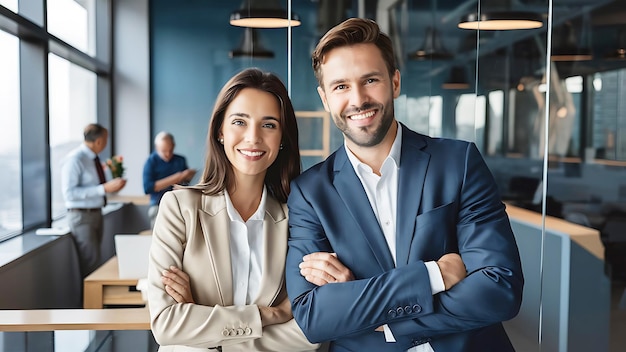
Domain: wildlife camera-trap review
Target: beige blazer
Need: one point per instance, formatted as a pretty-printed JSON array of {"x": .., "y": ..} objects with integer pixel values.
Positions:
[{"x": 192, "y": 233}]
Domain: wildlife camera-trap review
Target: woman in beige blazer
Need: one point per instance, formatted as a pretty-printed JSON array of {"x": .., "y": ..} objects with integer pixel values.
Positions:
[{"x": 216, "y": 275}]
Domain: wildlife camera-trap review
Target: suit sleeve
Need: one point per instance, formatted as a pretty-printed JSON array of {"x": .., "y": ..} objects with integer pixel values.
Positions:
[
  {"x": 341, "y": 309},
  {"x": 189, "y": 324},
  {"x": 492, "y": 290}
]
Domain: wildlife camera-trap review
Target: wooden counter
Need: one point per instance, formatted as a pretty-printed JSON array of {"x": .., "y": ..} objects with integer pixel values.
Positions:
[
  {"x": 75, "y": 319},
  {"x": 104, "y": 287},
  {"x": 585, "y": 237}
]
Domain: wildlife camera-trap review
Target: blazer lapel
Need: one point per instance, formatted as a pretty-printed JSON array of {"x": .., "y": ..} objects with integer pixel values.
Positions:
[
  {"x": 412, "y": 173},
  {"x": 275, "y": 232},
  {"x": 216, "y": 228},
  {"x": 355, "y": 199}
]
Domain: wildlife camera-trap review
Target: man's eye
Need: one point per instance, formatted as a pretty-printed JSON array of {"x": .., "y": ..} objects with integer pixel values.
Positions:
[{"x": 340, "y": 87}]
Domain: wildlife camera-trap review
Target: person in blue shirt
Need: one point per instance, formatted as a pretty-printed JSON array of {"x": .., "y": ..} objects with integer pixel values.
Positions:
[{"x": 163, "y": 170}]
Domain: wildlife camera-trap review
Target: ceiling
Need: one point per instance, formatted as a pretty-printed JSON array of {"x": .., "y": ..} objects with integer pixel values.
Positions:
[{"x": 595, "y": 23}]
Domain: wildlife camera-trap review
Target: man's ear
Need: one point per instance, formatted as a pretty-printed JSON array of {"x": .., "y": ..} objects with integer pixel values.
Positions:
[
  {"x": 395, "y": 79},
  {"x": 322, "y": 94}
]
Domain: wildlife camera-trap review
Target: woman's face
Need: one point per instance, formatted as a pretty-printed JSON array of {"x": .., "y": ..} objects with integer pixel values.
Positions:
[{"x": 252, "y": 132}]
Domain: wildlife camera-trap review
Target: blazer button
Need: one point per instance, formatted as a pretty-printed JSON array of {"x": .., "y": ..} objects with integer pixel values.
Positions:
[
  {"x": 225, "y": 332},
  {"x": 399, "y": 311},
  {"x": 248, "y": 331},
  {"x": 239, "y": 332},
  {"x": 391, "y": 313},
  {"x": 408, "y": 310},
  {"x": 417, "y": 308},
  {"x": 232, "y": 332}
]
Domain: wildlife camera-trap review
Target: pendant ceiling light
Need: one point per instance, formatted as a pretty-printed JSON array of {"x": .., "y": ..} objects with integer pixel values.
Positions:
[
  {"x": 620, "y": 52},
  {"x": 457, "y": 79},
  {"x": 431, "y": 48},
  {"x": 263, "y": 14},
  {"x": 251, "y": 46},
  {"x": 567, "y": 47},
  {"x": 498, "y": 15}
]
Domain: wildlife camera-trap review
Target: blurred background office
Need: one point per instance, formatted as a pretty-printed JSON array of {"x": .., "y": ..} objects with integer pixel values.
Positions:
[{"x": 545, "y": 104}]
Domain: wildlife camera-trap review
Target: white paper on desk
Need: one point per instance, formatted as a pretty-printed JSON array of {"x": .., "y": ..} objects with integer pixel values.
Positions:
[{"x": 53, "y": 231}]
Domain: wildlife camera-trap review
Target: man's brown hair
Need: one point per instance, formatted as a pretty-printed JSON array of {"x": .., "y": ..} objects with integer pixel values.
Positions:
[{"x": 349, "y": 32}]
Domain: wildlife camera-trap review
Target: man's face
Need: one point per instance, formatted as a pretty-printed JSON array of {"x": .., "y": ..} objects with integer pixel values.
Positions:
[
  {"x": 165, "y": 149},
  {"x": 358, "y": 92},
  {"x": 101, "y": 143}
]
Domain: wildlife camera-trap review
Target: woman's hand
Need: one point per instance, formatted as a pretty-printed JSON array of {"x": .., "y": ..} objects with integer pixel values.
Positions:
[
  {"x": 321, "y": 268},
  {"x": 177, "y": 285},
  {"x": 276, "y": 315}
]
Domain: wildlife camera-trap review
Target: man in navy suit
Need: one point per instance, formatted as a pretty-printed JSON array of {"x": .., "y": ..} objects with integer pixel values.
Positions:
[{"x": 398, "y": 241}]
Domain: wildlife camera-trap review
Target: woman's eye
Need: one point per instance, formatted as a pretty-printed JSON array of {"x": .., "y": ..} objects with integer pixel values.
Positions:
[
  {"x": 238, "y": 123},
  {"x": 269, "y": 125}
]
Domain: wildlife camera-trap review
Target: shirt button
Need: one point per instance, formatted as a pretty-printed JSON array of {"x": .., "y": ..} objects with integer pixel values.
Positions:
[{"x": 387, "y": 222}]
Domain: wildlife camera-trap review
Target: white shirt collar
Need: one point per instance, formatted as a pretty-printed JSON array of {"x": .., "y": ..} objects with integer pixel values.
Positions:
[
  {"x": 394, "y": 153},
  {"x": 233, "y": 214}
]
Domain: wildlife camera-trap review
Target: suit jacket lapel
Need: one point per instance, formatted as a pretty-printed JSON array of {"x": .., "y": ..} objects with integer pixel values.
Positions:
[
  {"x": 275, "y": 231},
  {"x": 216, "y": 227},
  {"x": 412, "y": 173},
  {"x": 355, "y": 199}
]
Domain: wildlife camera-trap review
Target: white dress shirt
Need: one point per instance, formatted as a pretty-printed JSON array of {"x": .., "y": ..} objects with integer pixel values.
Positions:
[
  {"x": 382, "y": 192},
  {"x": 246, "y": 251},
  {"x": 80, "y": 183}
]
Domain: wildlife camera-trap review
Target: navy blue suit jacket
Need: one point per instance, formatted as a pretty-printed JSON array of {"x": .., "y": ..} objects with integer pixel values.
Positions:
[{"x": 447, "y": 202}]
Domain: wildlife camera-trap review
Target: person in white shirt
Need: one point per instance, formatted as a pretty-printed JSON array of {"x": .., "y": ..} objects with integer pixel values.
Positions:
[
  {"x": 397, "y": 241},
  {"x": 84, "y": 188},
  {"x": 217, "y": 260}
]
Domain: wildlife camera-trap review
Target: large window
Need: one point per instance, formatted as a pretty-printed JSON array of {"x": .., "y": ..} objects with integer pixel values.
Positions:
[
  {"x": 609, "y": 116},
  {"x": 72, "y": 92},
  {"x": 71, "y": 21},
  {"x": 10, "y": 179},
  {"x": 9, "y": 4}
]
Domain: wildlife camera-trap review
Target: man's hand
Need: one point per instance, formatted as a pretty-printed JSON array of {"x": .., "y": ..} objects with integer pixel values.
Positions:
[
  {"x": 321, "y": 268},
  {"x": 177, "y": 285},
  {"x": 114, "y": 185},
  {"x": 276, "y": 315},
  {"x": 186, "y": 175},
  {"x": 452, "y": 269}
]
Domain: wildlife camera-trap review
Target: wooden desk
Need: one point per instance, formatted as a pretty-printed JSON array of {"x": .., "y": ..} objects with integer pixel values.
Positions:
[
  {"x": 104, "y": 287},
  {"x": 75, "y": 319}
]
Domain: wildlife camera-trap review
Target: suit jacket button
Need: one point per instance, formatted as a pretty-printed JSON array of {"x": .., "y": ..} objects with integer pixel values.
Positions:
[
  {"x": 225, "y": 332},
  {"x": 239, "y": 332},
  {"x": 391, "y": 313},
  {"x": 417, "y": 308},
  {"x": 399, "y": 311},
  {"x": 248, "y": 331},
  {"x": 232, "y": 332}
]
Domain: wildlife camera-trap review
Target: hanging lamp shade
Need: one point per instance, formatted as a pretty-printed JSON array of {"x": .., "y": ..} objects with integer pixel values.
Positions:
[
  {"x": 457, "y": 79},
  {"x": 263, "y": 14},
  {"x": 498, "y": 15},
  {"x": 567, "y": 48},
  {"x": 431, "y": 48},
  {"x": 618, "y": 53},
  {"x": 251, "y": 47}
]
